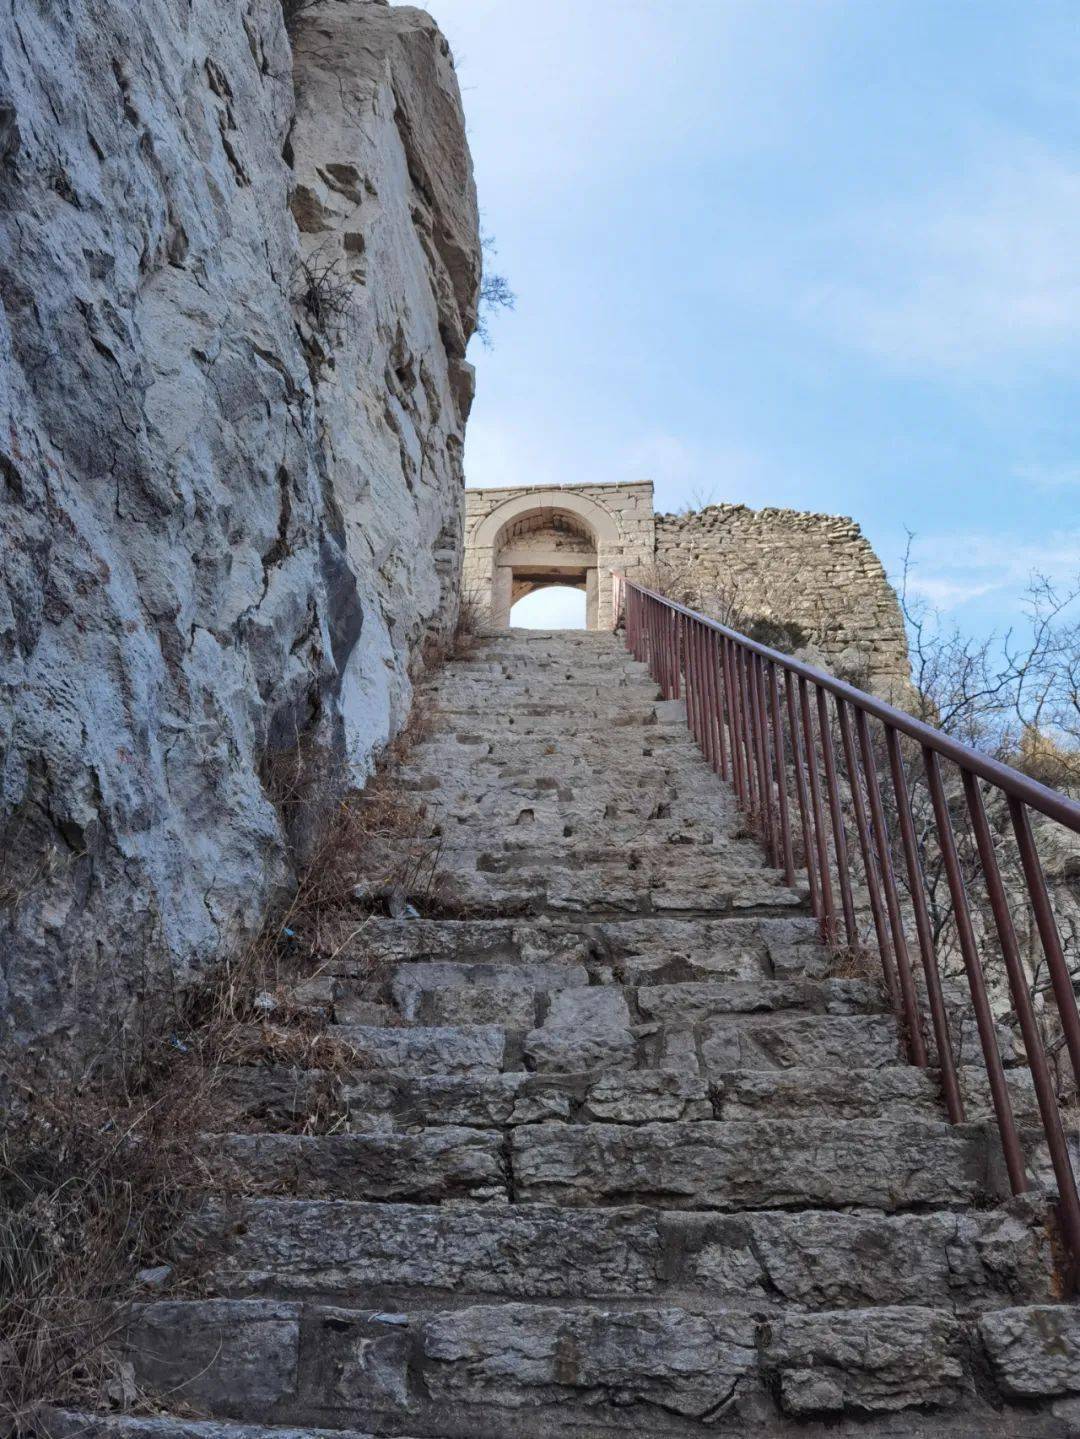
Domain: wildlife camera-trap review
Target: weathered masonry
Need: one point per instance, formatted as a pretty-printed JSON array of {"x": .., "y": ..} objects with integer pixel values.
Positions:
[
  {"x": 520, "y": 540},
  {"x": 814, "y": 573}
]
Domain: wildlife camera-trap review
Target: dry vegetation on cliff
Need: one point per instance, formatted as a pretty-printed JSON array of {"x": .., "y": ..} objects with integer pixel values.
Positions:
[{"x": 96, "y": 1168}]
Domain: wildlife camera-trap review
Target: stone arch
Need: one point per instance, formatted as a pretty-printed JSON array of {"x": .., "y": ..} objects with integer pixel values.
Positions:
[
  {"x": 538, "y": 538},
  {"x": 601, "y": 521},
  {"x": 582, "y": 533}
]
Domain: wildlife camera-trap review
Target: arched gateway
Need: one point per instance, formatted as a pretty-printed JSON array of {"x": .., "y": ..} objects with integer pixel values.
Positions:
[{"x": 521, "y": 540}]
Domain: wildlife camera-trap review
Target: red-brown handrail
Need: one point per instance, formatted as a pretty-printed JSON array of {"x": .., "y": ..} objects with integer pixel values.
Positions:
[{"x": 736, "y": 709}]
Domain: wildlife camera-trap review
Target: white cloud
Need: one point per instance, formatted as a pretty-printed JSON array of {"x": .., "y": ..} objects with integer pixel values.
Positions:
[
  {"x": 1053, "y": 477},
  {"x": 950, "y": 570},
  {"x": 963, "y": 279}
]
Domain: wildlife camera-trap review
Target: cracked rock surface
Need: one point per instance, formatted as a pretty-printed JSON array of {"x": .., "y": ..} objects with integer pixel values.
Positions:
[
  {"x": 227, "y": 521},
  {"x": 621, "y": 1157}
]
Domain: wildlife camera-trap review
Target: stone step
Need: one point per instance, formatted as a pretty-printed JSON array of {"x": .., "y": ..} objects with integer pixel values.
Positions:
[
  {"x": 523, "y": 996},
  {"x": 314, "y": 1101},
  {"x": 703, "y": 1164},
  {"x": 423, "y": 1049},
  {"x": 593, "y": 1028},
  {"x": 771, "y": 1164},
  {"x": 632, "y": 881},
  {"x": 531, "y": 1371},
  {"x": 634, "y": 951},
  {"x": 82, "y": 1424},
  {"x": 400, "y": 1254},
  {"x": 429, "y": 1166}
]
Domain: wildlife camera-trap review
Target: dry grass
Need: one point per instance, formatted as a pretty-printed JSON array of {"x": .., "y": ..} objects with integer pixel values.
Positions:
[
  {"x": 463, "y": 640},
  {"x": 93, "y": 1179},
  {"x": 90, "y": 1189}
]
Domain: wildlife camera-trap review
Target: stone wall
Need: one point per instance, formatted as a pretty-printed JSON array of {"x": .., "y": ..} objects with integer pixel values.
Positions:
[
  {"x": 229, "y": 513},
  {"x": 815, "y": 572}
]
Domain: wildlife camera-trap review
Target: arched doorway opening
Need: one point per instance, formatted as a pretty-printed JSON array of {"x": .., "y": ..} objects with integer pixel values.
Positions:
[
  {"x": 533, "y": 543},
  {"x": 550, "y": 607}
]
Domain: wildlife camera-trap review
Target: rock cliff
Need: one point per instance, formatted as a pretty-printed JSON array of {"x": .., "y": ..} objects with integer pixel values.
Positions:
[{"x": 237, "y": 279}]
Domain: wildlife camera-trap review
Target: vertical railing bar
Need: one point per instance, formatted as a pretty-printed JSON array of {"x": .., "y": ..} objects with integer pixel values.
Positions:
[
  {"x": 869, "y": 859},
  {"x": 804, "y": 800},
  {"x": 984, "y": 1019},
  {"x": 780, "y": 766},
  {"x": 699, "y": 690},
  {"x": 709, "y": 690},
  {"x": 939, "y": 1016},
  {"x": 915, "y": 1042},
  {"x": 840, "y": 847},
  {"x": 689, "y": 687},
  {"x": 731, "y": 685},
  {"x": 1045, "y": 1093},
  {"x": 764, "y": 747},
  {"x": 716, "y": 668},
  {"x": 707, "y": 706},
  {"x": 749, "y": 737},
  {"x": 828, "y": 908},
  {"x": 1060, "y": 978},
  {"x": 735, "y": 715}
]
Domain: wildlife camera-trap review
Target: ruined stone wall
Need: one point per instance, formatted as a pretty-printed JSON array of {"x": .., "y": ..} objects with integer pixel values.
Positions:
[
  {"x": 230, "y": 457},
  {"x": 816, "y": 572}
]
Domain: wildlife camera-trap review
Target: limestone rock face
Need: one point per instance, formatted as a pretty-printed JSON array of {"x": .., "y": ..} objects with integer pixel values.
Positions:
[{"x": 226, "y": 521}]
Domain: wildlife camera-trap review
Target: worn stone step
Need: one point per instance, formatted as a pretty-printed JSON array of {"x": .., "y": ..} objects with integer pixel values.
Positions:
[
  {"x": 880, "y": 1164},
  {"x": 83, "y": 1424},
  {"x": 636, "y": 951},
  {"x": 427, "y": 1049},
  {"x": 491, "y": 1370},
  {"x": 276, "y": 1098},
  {"x": 505, "y": 1100},
  {"x": 781, "y": 1041},
  {"x": 389, "y": 1254},
  {"x": 593, "y": 1029},
  {"x": 544, "y": 1369},
  {"x": 521, "y": 997},
  {"x": 428, "y": 1166},
  {"x": 660, "y": 880}
]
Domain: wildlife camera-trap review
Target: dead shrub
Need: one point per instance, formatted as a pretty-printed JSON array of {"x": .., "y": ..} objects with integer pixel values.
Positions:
[
  {"x": 91, "y": 1187},
  {"x": 322, "y": 289},
  {"x": 470, "y": 626},
  {"x": 95, "y": 1178}
]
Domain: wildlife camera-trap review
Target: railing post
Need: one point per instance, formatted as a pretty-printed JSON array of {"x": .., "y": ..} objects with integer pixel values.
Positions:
[
  {"x": 764, "y": 762},
  {"x": 939, "y": 1016},
  {"x": 1069, "y": 1200},
  {"x": 869, "y": 859},
  {"x": 719, "y": 692},
  {"x": 984, "y": 1019},
  {"x": 1060, "y": 978},
  {"x": 916, "y": 1043},
  {"x": 735, "y": 718},
  {"x": 828, "y": 910},
  {"x": 781, "y": 777},
  {"x": 816, "y": 904},
  {"x": 840, "y": 849}
]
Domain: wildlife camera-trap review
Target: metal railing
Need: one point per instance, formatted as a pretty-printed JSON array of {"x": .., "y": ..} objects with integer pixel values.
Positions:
[{"x": 765, "y": 722}]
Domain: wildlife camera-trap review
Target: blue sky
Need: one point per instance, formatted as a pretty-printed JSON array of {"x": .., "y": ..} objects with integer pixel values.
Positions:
[{"x": 814, "y": 253}]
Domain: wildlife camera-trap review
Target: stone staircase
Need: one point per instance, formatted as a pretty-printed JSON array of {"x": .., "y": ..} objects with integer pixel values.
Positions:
[{"x": 618, "y": 1153}]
